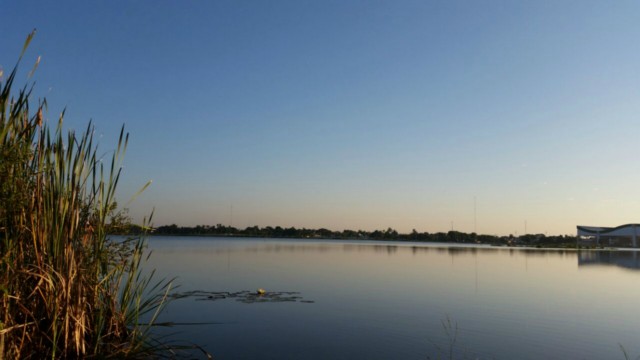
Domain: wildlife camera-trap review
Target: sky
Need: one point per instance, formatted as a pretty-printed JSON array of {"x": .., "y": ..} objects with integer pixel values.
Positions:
[{"x": 498, "y": 117}]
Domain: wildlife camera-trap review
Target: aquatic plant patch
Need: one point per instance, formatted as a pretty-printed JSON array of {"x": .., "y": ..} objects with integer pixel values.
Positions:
[{"x": 245, "y": 296}]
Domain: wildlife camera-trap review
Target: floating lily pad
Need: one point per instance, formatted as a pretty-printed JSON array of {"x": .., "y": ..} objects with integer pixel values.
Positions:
[{"x": 247, "y": 297}]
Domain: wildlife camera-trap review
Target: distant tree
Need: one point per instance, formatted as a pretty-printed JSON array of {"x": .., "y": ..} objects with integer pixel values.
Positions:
[
  {"x": 390, "y": 234},
  {"x": 325, "y": 233}
]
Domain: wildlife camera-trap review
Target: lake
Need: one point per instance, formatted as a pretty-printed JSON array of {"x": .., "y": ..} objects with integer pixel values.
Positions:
[{"x": 389, "y": 300}]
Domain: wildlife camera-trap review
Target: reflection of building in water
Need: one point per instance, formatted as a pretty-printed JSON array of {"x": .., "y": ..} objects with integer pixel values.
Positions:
[
  {"x": 625, "y": 259},
  {"x": 623, "y": 235}
]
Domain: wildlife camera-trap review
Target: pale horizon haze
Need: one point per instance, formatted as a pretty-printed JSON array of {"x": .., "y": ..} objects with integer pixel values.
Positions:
[{"x": 426, "y": 115}]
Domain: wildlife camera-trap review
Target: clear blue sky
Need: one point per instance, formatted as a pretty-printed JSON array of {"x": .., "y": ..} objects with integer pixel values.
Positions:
[{"x": 353, "y": 114}]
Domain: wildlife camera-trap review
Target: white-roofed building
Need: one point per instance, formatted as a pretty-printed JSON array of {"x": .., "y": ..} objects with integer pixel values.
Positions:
[{"x": 623, "y": 235}]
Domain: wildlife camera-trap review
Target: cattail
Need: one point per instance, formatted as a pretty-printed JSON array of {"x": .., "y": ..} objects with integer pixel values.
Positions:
[{"x": 39, "y": 117}]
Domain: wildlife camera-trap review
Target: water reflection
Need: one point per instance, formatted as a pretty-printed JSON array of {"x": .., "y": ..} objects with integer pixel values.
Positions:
[
  {"x": 394, "y": 248},
  {"x": 383, "y": 247},
  {"x": 624, "y": 259},
  {"x": 621, "y": 258},
  {"x": 385, "y": 300},
  {"x": 242, "y": 245}
]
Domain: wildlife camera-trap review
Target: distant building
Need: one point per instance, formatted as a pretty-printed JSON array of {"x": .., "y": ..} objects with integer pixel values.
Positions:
[{"x": 623, "y": 235}]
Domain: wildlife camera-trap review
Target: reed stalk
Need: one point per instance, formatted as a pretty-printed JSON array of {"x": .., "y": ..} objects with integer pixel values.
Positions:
[{"x": 66, "y": 289}]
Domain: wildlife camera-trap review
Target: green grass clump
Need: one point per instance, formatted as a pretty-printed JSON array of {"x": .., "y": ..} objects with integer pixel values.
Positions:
[{"x": 66, "y": 290}]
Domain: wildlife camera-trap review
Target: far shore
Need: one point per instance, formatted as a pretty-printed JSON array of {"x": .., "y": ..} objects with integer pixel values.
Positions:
[{"x": 527, "y": 241}]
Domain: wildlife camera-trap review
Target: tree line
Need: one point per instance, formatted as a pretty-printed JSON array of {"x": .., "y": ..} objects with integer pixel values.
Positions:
[{"x": 322, "y": 233}]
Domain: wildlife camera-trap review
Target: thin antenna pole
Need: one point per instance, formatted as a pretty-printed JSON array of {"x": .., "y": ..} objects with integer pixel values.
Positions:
[{"x": 475, "y": 216}]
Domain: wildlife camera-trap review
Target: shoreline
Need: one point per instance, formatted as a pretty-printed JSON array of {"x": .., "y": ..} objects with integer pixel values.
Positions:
[{"x": 541, "y": 246}]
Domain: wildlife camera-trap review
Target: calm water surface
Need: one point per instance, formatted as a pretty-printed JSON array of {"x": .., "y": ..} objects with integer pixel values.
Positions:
[{"x": 381, "y": 300}]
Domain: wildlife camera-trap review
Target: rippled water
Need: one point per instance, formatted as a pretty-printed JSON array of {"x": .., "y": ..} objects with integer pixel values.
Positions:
[{"x": 382, "y": 300}]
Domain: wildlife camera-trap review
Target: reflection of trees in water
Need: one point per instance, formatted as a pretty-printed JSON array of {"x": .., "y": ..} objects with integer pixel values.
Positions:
[
  {"x": 277, "y": 248},
  {"x": 624, "y": 259},
  {"x": 393, "y": 249},
  {"x": 470, "y": 250},
  {"x": 389, "y": 249},
  {"x": 547, "y": 253},
  {"x": 274, "y": 246},
  {"x": 323, "y": 248}
]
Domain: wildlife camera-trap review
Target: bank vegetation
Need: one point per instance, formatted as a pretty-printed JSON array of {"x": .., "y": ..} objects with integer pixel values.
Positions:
[{"x": 66, "y": 290}]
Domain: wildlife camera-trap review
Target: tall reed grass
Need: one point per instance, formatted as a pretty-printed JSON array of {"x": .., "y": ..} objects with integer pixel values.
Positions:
[{"x": 66, "y": 289}]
